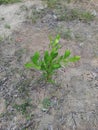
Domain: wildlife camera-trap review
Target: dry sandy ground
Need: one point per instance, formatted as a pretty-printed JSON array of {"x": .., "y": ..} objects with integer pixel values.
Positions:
[
  {"x": 14, "y": 15},
  {"x": 74, "y": 101}
]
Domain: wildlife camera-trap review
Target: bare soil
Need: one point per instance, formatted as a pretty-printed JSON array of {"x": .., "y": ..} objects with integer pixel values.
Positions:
[{"x": 74, "y": 97}]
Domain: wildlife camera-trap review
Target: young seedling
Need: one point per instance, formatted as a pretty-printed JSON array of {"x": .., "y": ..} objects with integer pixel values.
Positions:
[
  {"x": 51, "y": 61},
  {"x": 46, "y": 103},
  {"x": 23, "y": 107},
  {"x": 7, "y": 26},
  {"x": 8, "y": 1},
  {"x": 51, "y": 3}
]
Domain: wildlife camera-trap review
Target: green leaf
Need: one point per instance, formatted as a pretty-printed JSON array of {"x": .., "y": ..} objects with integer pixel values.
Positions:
[
  {"x": 67, "y": 54},
  {"x": 51, "y": 41},
  {"x": 56, "y": 66},
  {"x": 35, "y": 58},
  {"x": 56, "y": 41},
  {"x": 30, "y": 65},
  {"x": 46, "y": 57},
  {"x": 54, "y": 54},
  {"x": 43, "y": 67},
  {"x": 74, "y": 59}
]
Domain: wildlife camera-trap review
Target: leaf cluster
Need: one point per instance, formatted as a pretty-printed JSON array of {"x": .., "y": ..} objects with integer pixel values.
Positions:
[{"x": 51, "y": 60}]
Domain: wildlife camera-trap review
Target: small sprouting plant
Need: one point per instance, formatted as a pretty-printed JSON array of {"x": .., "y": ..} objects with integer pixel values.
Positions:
[
  {"x": 51, "y": 61},
  {"x": 46, "y": 103},
  {"x": 8, "y": 1},
  {"x": 2, "y": 19},
  {"x": 51, "y": 3},
  {"x": 87, "y": 16},
  {"x": 65, "y": 14},
  {"x": 23, "y": 107},
  {"x": 1, "y": 38},
  {"x": 7, "y": 26}
]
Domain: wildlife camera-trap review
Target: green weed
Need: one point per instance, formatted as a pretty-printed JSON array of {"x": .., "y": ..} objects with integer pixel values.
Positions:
[
  {"x": 8, "y": 1},
  {"x": 87, "y": 16},
  {"x": 65, "y": 14},
  {"x": 22, "y": 107},
  {"x": 23, "y": 88},
  {"x": 46, "y": 103},
  {"x": 2, "y": 19},
  {"x": 23, "y": 8},
  {"x": 51, "y": 3},
  {"x": 7, "y": 26},
  {"x": 1, "y": 38}
]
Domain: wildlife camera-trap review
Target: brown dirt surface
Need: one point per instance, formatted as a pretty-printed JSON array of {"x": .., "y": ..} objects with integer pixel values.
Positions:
[{"x": 74, "y": 98}]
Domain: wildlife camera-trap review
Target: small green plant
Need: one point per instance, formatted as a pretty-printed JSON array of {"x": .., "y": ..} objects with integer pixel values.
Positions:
[
  {"x": 2, "y": 19},
  {"x": 51, "y": 3},
  {"x": 7, "y": 26},
  {"x": 8, "y": 1},
  {"x": 51, "y": 61},
  {"x": 22, "y": 107},
  {"x": 1, "y": 38},
  {"x": 87, "y": 16},
  {"x": 46, "y": 103},
  {"x": 66, "y": 14}
]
